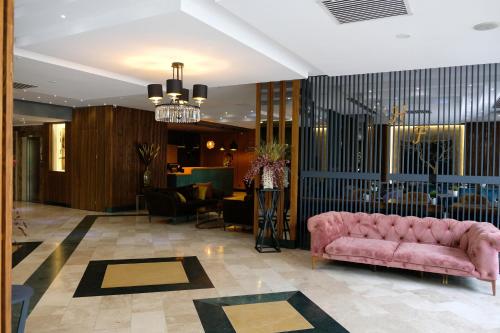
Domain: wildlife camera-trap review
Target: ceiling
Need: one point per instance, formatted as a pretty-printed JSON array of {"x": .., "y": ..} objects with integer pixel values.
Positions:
[{"x": 94, "y": 52}]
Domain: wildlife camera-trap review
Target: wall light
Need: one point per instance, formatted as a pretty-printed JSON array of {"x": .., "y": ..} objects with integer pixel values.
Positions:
[{"x": 210, "y": 144}]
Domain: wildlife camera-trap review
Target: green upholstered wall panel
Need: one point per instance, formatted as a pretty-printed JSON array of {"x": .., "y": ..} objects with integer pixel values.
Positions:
[{"x": 221, "y": 178}]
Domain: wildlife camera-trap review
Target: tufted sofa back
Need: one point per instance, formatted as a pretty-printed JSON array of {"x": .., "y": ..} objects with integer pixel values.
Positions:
[{"x": 428, "y": 230}]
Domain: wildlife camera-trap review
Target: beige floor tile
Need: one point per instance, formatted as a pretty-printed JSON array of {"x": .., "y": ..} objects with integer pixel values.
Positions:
[{"x": 354, "y": 295}]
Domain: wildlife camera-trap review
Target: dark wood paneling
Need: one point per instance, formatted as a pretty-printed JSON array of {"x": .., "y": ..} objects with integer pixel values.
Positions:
[
  {"x": 106, "y": 169},
  {"x": 88, "y": 155},
  {"x": 242, "y": 158},
  {"x": 7, "y": 13},
  {"x": 55, "y": 186},
  {"x": 129, "y": 127}
]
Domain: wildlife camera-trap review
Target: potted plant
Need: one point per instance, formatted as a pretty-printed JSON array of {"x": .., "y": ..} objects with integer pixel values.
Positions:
[
  {"x": 433, "y": 196},
  {"x": 20, "y": 225},
  {"x": 147, "y": 153},
  {"x": 270, "y": 163}
]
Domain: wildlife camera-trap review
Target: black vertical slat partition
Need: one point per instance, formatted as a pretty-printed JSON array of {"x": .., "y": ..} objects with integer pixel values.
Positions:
[{"x": 418, "y": 142}]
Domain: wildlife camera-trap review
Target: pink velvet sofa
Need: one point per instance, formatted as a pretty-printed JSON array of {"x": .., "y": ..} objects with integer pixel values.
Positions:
[{"x": 445, "y": 246}]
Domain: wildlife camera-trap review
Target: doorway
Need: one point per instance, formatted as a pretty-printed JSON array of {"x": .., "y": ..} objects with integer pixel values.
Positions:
[{"x": 30, "y": 169}]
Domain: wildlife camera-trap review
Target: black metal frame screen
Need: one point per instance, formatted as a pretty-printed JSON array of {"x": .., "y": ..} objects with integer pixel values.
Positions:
[{"x": 418, "y": 142}]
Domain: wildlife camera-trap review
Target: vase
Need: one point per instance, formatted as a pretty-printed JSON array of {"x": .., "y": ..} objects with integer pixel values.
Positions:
[
  {"x": 286, "y": 182},
  {"x": 267, "y": 178},
  {"x": 147, "y": 178}
]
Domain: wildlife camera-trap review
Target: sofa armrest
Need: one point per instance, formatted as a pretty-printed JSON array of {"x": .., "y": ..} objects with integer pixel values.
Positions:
[
  {"x": 324, "y": 229},
  {"x": 482, "y": 244}
]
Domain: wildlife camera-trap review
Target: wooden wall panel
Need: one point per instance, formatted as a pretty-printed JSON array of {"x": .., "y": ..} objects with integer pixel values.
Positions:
[
  {"x": 55, "y": 187},
  {"x": 132, "y": 126},
  {"x": 6, "y": 167},
  {"x": 107, "y": 172},
  {"x": 87, "y": 179},
  {"x": 241, "y": 158}
]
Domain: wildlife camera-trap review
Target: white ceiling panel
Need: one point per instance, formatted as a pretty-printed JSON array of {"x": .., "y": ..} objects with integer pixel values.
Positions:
[{"x": 441, "y": 34}]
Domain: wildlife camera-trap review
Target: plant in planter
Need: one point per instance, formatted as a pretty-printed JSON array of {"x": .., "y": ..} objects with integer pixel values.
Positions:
[
  {"x": 147, "y": 153},
  {"x": 433, "y": 196},
  {"x": 19, "y": 224},
  {"x": 270, "y": 163}
]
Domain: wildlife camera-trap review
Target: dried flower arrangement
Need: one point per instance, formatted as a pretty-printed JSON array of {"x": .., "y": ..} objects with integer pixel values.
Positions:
[
  {"x": 271, "y": 163},
  {"x": 148, "y": 152},
  {"x": 19, "y": 223}
]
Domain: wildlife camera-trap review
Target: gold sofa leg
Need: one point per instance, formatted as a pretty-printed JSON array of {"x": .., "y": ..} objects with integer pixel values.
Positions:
[
  {"x": 313, "y": 262},
  {"x": 494, "y": 287},
  {"x": 445, "y": 279}
]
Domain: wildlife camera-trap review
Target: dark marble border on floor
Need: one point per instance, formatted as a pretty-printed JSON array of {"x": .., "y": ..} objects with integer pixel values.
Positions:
[
  {"x": 90, "y": 284},
  {"x": 23, "y": 251},
  {"x": 46, "y": 273},
  {"x": 214, "y": 319}
]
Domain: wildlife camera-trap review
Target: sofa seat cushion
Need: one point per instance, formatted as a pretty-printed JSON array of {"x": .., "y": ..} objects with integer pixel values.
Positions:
[
  {"x": 434, "y": 255},
  {"x": 362, "y": 247}
]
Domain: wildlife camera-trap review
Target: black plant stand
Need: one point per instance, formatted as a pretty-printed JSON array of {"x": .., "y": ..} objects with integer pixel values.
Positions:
[{"x": 267, "y": 223}]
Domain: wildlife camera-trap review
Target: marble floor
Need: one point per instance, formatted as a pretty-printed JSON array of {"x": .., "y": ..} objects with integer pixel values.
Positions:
[{"x": 358, "y": 298}]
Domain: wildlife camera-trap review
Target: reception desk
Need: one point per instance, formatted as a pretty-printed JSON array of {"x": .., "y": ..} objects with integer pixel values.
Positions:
[{"x": 221, "y": 178}]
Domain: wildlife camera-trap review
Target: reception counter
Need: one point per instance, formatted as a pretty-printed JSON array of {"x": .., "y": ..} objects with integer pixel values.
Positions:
[{"x": 221, "y": 178}]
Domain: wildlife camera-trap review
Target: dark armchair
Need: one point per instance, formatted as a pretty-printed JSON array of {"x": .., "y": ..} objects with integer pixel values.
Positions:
[
  {"x": 166, "y": 202},
  {"x": 238, "y": 212}
]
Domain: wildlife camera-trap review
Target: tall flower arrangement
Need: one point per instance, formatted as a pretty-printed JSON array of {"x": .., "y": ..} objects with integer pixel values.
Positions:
[
  {"x": 269, "y": 162},
  {"x": 147, "y": 153}
]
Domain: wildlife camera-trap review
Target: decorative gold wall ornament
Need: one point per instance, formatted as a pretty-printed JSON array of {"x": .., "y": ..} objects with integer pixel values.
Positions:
[
  {"x": 419, "y": 132},
  {"x": 398, "y": 116}
]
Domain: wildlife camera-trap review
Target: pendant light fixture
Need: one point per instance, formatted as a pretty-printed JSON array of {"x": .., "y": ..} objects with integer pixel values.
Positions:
[
  {"x": 177, "y": 109},
  {"x": 233, "y": 146}
]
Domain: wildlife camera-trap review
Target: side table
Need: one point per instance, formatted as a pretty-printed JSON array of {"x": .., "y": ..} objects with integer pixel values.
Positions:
[
  {"x": 266, "y": 221},
  {"x": 138, "y": 202}
]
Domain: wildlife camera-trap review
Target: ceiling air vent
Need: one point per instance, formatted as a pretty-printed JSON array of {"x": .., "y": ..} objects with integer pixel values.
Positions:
[
  {"x": 348, "y": 11},
  {"x": 18, "y": 85}
]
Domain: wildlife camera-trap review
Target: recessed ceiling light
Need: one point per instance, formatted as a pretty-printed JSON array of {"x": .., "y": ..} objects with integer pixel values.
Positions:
[
  {"x": 22, "y": 98},
  {"x": 251, "y": 111},
  {"x": 38, "y": 97},
  {"x": 50, "y": 102},
  {"x": 403, "y": 36},
  {"x": 63, "y": 16},
  {"x": 485, "y": 26},
  {"x": 81, "y": 99}
]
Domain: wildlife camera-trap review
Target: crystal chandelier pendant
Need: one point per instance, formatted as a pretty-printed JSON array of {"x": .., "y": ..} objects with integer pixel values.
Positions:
[
  {"x": 177, "y": 113},
  {"x": 178, "y": 109}
]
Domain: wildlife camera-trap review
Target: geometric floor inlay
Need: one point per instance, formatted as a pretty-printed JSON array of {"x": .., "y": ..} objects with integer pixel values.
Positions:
[
  {"x": 21, "y": 250},
  {"x": 131, "y": 276},
  {"x": 265, "y": 313}
]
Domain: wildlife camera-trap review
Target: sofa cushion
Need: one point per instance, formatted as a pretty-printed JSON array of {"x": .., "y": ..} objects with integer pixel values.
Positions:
[
  {"x": 434, "y": 255},
  {"x": 182, "y": 198},
  {"x": 188, "y": 191},
  {"x": 205, "y": 190},
  {"x": 362, "y": 247}
]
